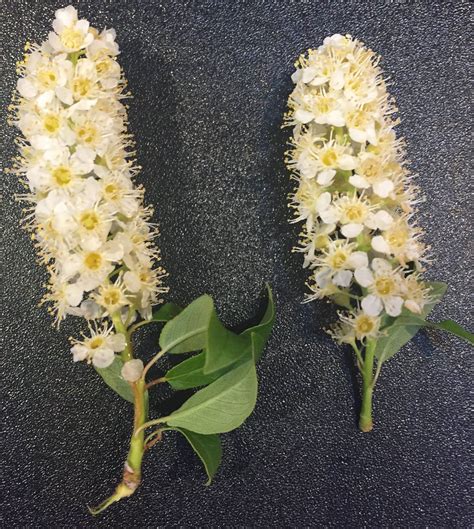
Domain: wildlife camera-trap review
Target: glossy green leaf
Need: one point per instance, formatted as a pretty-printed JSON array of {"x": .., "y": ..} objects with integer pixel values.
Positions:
[
  {"x": 445, "y": 325},
  {"x": 397, "y": 335},
  {"x": 189, "y": 373},
  {"x": 207, "y": 447},
  {"x": 188, "y": 330},
  {"x": 220, "y": 407},
  {"x": 260, "y": 333},
  {"x": 113, "y": 378},
  {"x": 166, "y": 312}
]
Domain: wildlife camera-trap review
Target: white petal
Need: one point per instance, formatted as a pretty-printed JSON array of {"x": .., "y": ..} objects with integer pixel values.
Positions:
[
  {"x": 342, "y": 278},
  {"x": 380, "y": 245},
  {"x": 64, "y": 95},
  {"x": 357, "y": 135},
  {"x": 330, "y": 215},
  {"x": 358, "y": 260},
  {"x": 358, "y": 181},
  {"x": 336, "y": 118},
  {"x": 103, "y": 357},
  {"x": 74, "y": 294},
  {"x": 413, "y": 306},
  {"x": 364, "y": 276},
  {"x": 323, "y": 201},
  {"x": 308, "y": 74},
  {"x": 326, "y": 177},
  {"x": 383, "y": 220},
  {"x": 372, "y": 305},
  {"x": 323, "y": 278},
  {"x": 117, "y": 342},
  {"x": 347, "y": 162},
  {"x": 296, "y": 75},
  {"x": 132, "y": 370},
  {"x": 79, "y": 352},
  {"x": 66, "y": 16},
  {"x": 113, "y": 251},
  {"x": 393, "y": 305},
  {"x": 381, "y": 266},
  {"x": 131, "y": 281},
  {"x": 351, "y": 230},
  {"x": 383, "y": 188},
  {"x": 337, "y": 80},
  {"x": 26, "y": 88},
  {"x": 303, "y": 116}
]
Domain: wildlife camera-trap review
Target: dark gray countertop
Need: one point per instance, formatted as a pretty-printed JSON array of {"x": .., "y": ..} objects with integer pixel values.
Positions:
[{"x": 210, "y": 81}]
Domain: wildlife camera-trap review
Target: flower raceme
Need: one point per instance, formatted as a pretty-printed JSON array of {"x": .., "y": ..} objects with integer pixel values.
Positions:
[
  {"x": 354, "y": 191},
  {"x": 88, "y": 219},
  {"x": 95, "y": 237},
  {"x": 357, "y": 200}
]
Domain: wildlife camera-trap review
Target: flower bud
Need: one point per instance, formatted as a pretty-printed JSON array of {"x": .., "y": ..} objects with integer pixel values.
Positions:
[{"x": 132, "y": 370}]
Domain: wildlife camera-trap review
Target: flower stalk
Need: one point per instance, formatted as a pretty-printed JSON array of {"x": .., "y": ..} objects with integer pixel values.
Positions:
[
  {"x": 368, "y": 381},
  {"x": 356, "y": 199}
]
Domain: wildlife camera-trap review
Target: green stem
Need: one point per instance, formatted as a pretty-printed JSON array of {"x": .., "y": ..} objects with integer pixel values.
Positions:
[
  {"x": 127, "y": 353},
  {"x": 133, "y": 467},
  {"x": 365, "y": 420}
]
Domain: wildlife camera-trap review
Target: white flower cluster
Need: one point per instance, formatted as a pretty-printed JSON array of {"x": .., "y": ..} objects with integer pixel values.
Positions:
[
  {"x": 354, "y": 191},
  {"x": 89, "y": 222}
]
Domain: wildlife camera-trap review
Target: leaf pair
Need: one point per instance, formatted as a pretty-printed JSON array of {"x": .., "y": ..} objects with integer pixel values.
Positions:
[{"x": 225, "y": 365}]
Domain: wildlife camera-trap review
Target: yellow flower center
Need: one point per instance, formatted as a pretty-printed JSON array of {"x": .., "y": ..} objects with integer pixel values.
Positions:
[
  {"x": 103, "y": 66},
  {"x": 384, "y": 285},
  {"x": 323, "y": 105},
  {"x": 71, "y": 38},
  {"x": 111, "y": 296},
  {"x": 96, "y": 342},
  {"x": 355, "y": 212},
  {"x": 51, "y": 123},
  {"x": 47, "y": 78},
  {"x": 397, "y": 237},
  {"x": 89, "y": 220},
  {"x": 87, "y": 133},
  {"x": 93, "y": 260},
  {"x": 329, "y": 158},
  {"x": 111, "y": 191},
  {"x": 81, "y": 87},
  {"x": 338, "y": 258},
  {"x": 62, "y": 175},
  {"x": 364, "y": 325},
  {"x": 321, "y": 241}
]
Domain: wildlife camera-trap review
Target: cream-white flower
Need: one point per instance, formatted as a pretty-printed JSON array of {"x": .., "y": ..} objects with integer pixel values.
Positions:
[
  {"x": 90, "y": 225},
  {"x": 354, "y": 192},
  {"x": 99, "y": 348}
]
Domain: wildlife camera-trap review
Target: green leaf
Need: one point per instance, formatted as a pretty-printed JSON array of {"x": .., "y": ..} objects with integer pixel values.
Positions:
[
  {"x": 397, "y": 335},
  {"x": 113, "y": 378},
  {"x": 198, "y": 327},
  {"x": 188, "y": 330},
  {"x": 166, "y": 312},
  {"x": 446, "y": 325},
  {"x": 223, "y": 347},
  {"x": 189, "y": 373},
  {"x": 207, "y": 447},
  {"x": 220, "y": 407},
  {"x": 260, "y": 333}
]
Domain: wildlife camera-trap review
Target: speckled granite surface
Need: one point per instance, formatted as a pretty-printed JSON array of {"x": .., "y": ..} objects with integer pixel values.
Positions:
[{"x": 210, "y": 81}]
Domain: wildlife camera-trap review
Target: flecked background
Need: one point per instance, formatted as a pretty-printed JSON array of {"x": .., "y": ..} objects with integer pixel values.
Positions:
[{"x": 210, "y": 81}]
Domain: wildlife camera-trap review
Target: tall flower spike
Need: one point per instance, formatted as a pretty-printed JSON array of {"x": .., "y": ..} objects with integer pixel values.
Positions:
[
  {"x": 95, "y": 236},
  {"x": 88, "y": 220},
  {"x": 356, "y": 198}
]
